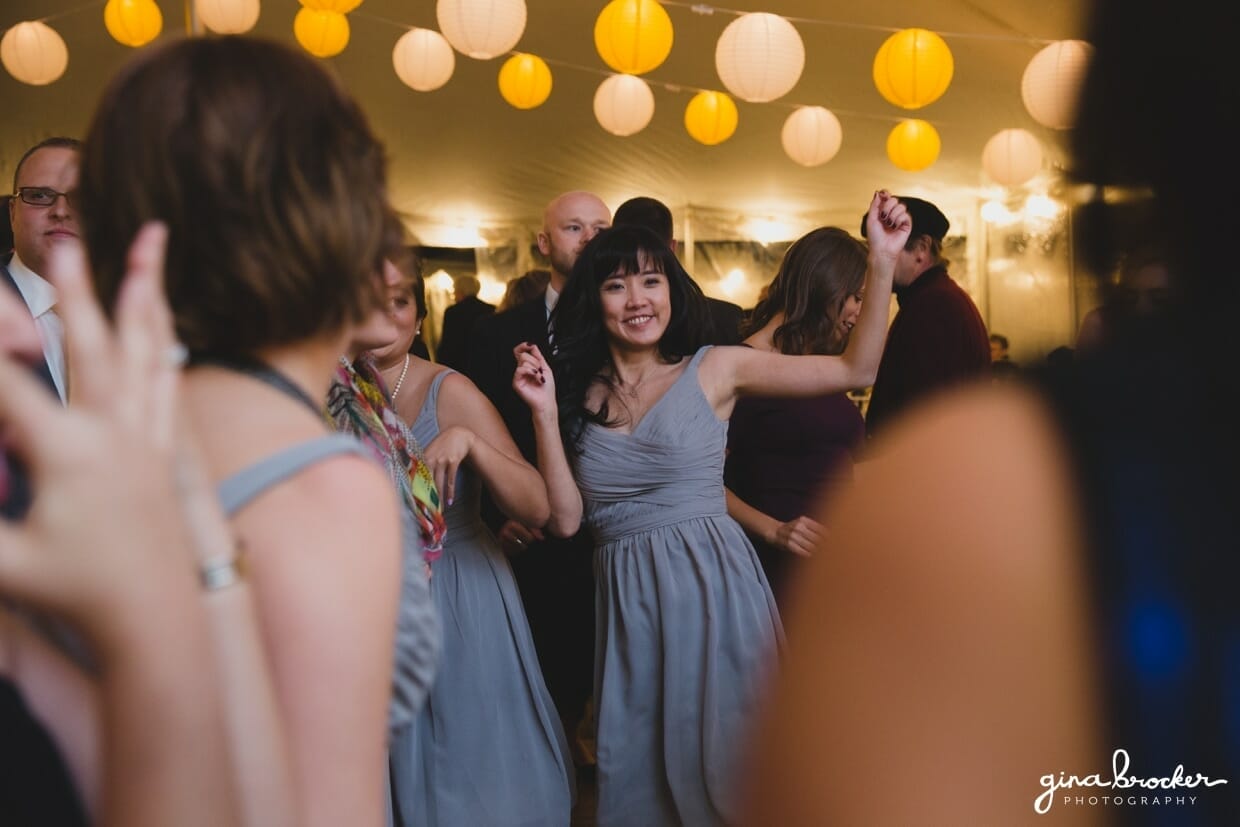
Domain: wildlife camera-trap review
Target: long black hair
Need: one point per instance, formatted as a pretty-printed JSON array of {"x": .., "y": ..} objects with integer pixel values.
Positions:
[{"x": 580, "y": 342}]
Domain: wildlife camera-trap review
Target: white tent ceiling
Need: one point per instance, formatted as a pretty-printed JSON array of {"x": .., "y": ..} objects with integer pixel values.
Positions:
[{"x": 462, "y": 158}]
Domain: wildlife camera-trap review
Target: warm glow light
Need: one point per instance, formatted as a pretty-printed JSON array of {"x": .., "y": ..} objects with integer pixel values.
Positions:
[
  {"x": 492, "y": 289},
  {"x": 321, "y": 33},
  {"x": 913, "y": 68},
  {"x": 633, "y": 36},
  {"x": 768, "y": 230},
  {"x": 1012, "y": 156},
  {"x": 996, "y": 212},
  {"x": 340, "y": 6},
  {"x": 34, "y": 53},
  {"x": 711, "y": 117},
  {"x": 481, "y": 29},
  {"x": 1051, "y": 83},
  {"x": 811, "y": 136},
  {"x": 133, "y": 22},
  {"x": 525, "y": 81},
  {"x": 1041, "y": 206},
  {"x": 423, "y": 60},
  {"x": 759, "y": 57},
  {"x": 733, "y": 282},
  {"x": 623, "y": 105},
  {"x": 227, "y": 16},
  {"x": 913, "y": 145},
  {"x": 440, "y": 280}
]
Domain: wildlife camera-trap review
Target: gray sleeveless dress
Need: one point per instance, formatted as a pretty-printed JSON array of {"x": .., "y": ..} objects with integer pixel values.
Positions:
[
  {"x": 687, "y": 627},
  {"x": 417, "y": 631},
  {"x": 488, "y": 748}
]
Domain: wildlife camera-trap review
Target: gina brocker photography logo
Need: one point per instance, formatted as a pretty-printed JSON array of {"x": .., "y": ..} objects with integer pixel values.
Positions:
[{"x": 1120, "y": 789}]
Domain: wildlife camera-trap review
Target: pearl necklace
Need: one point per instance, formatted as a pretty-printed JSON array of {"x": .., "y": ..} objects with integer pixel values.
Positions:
[{"x": 404, "y": 370}]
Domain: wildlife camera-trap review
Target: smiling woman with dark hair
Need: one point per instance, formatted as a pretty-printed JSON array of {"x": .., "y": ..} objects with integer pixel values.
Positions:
[{"x": 687, "y": 626}]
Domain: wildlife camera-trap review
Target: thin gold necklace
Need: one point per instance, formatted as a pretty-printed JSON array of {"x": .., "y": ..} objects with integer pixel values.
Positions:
[{"x": 400, "y": 380}]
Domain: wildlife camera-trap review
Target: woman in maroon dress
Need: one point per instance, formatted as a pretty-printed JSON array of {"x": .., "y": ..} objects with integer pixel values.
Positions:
[{"x": 785, "y": 453}]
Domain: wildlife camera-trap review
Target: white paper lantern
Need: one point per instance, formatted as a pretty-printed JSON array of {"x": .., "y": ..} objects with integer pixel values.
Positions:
[
  {"x": 623, "y": 105},
  {"x": 34, "y": 53},
  {"x": 481, "y": 29},
  {"x": 759, "y": 57},
  {"x": 1012, "y": 156},
  {"x": 812, "y": 135},
  {"x": 423, "y": 59},
  {"x": 1052, "y": 82},
  {"x": 228, "y": 16}
]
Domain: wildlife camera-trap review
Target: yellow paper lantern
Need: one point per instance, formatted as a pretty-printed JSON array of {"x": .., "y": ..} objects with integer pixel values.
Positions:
[
  {"x": 811, "y": 136},
  {"x": 481, "y": 29},
  {"x": 133, "y": 22},
  {"x": 633, "y": 36},
  {"x": 1051, "y": 83},
  {"x": 1012, "y": 156},
  {"x": 913, "y": 68},
  {"x": 913, "y": 145},
  {"x": 711, "y": 117},
  {"x": 228, "y": 16},
  {"x": 423, "y": 59},
  {"x": 525, "y": 81},
  {"x": 34, "y": 53},
  {"x": 759, "y": 57},
  {"x": 321, "y": 33},
  {"x": 623, "y": 105},
  {"x": 339, "y": 6}
]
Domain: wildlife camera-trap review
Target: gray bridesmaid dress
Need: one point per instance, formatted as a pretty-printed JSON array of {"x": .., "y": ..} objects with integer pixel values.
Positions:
[
  {"x": 687, "y": 628},
  {"x": 487, "y": 748}
]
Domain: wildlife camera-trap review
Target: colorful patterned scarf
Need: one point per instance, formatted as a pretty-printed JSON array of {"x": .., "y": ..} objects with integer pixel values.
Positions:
[{"x": 358, "y": 405}]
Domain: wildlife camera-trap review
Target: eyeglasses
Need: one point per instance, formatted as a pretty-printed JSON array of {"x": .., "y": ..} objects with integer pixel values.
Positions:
[{"x": 45, "y": 196}]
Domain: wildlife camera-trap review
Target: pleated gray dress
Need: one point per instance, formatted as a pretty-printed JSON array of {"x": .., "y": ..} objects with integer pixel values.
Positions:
[
  {"x": 687, "y": 628},
  {"x": 487, "y": 748}
]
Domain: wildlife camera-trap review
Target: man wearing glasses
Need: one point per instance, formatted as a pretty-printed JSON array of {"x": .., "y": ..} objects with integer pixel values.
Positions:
[{"x": 42, "y": 215}]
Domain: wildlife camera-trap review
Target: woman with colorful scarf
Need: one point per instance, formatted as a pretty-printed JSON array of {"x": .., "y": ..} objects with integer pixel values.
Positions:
[
  {"x": 357, "y": 404},
  {"x": 488, "y": 748}
]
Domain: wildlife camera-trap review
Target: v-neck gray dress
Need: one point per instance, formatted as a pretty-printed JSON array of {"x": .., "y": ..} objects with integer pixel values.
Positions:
[{"x": 687, "y": 628}]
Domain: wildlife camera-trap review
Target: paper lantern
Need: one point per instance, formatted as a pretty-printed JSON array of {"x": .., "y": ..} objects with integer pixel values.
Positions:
[
  {"x": 423, "y": 59},
  {"x": 913, "y": 145},
  {"x": 34, "y": 53},
  {"x": 321, "y": 33},
  {"x": 811, "y": 136},
  {"x": 481, "y": 29},
  {"x": 623, "y": 105},
  {"x": 133, "y": 22},
  {"x": 525, "y": 81},
  {"x": 913, "y": 68},
  {"x": 228, "y": 16},
  {"x": 1012, "y": 156},
  {"x": 711, "y": 117},
  {"x": 339, "y": 6},
  {"x": 1052, "y": 82},
  {"x": 633, "y": 36},
  {"x": 759, "y": 57}
]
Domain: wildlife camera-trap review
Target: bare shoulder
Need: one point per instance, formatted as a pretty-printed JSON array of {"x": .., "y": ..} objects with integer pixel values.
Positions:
[{"x": 320, "y": 516}]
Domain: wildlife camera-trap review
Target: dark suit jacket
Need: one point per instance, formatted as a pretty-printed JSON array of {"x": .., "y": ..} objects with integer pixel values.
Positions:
[
  {"x": 35, "y": 787},
  {"x": 490, "y": 364},
  {"x": 555, "y": 576},
  {"x": 726, "y": 318},
  {"x": 458, "y": 323}
]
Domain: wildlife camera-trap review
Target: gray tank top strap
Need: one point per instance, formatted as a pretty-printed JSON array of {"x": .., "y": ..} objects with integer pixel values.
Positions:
[
  {"x": 432, "y": 395},
  {"x": 243, "y": 486}
]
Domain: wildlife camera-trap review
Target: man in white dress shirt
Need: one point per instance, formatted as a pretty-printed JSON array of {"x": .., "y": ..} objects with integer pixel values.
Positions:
[{"x": 42, "y": 215}]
